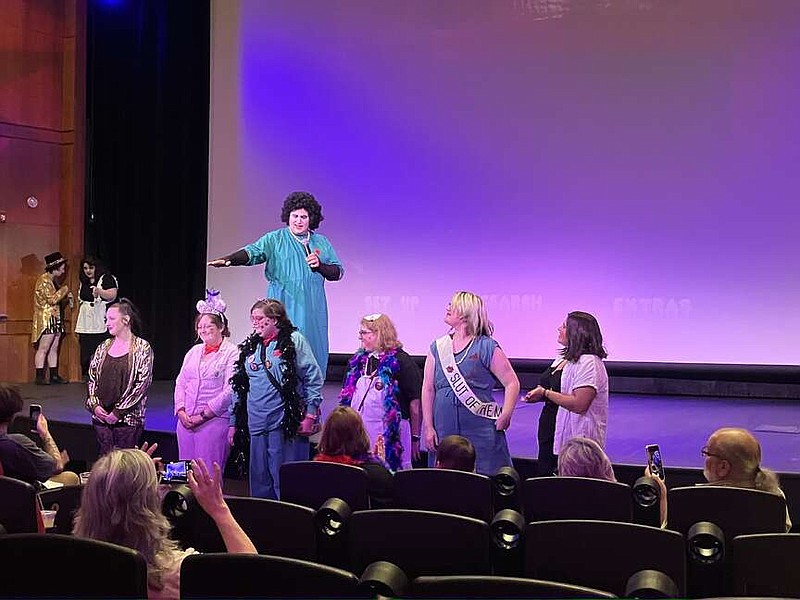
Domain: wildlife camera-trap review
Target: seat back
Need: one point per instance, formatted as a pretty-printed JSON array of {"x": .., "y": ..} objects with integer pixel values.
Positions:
[
  {"x": 444, "y": 490},
  {"x": 61, "y": 566},
  {"x": 737, "y": 511},
  {"x": 65, "y": 500},
  {"x": 602, "y": 554},
  {"x": 549, "y": 498},
  {"x": 275, "y": 527},
  {"x": 223, "y": 575},
  {"x": 419, "y": 542},
  {"x": 310, "y": 483},
  {"x": 765, "y": 564},
  {"x": 473, "y": 586},
  {"x": 19, "y": 509}
]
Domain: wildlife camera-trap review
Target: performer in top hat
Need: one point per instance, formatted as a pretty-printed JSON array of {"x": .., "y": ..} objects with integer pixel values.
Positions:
[{"x": 48, "y": 316}]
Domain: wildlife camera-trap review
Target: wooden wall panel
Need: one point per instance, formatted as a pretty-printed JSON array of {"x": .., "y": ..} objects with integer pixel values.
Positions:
[{"x": 42, "y": 101}]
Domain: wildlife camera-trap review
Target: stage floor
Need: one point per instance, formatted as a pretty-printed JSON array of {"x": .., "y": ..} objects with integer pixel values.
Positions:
[{"x": 679, "y": 424}]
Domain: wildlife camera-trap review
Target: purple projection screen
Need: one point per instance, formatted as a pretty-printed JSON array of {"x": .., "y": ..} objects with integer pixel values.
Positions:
[{"x": 635, "y": 159}]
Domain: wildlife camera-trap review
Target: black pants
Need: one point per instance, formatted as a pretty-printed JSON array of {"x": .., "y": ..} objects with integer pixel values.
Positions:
[
  {"x": 116, "y": 436},
  {"x": 547, "y": 462}
]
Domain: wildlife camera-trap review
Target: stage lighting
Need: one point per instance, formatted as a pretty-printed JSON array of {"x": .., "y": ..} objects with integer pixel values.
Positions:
[
  {"x": 507, "y": 527},
  {"x": 646, "y": 492},
  {"x": 650, "y": 584},
  {"x": 383, "y": 579},
  {"x": 332, "y": 516},
  {"x": 177, "y": 502},
  {"x": 706, "y": 543}
]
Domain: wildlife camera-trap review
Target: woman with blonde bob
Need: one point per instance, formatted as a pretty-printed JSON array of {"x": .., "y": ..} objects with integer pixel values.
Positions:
[
  {"x": 344, "y": 440},
  {"x": 384, "y": 384},
  {"x": 121, "y": 504},
  {"x": 460, "y": 372},
  {"x": 583, "y": 457}
]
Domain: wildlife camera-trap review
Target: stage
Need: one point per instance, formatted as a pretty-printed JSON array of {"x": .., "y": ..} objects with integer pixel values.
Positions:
[{"x": 680, "y": 424}]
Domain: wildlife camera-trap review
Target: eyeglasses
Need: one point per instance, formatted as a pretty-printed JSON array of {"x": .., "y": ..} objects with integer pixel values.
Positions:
[
  {"x": 704, "y": 452},
  {"x": 363, "y": 332}
]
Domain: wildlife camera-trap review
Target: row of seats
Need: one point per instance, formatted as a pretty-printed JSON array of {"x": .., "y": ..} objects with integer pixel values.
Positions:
[{"x": 215, "y": 575}]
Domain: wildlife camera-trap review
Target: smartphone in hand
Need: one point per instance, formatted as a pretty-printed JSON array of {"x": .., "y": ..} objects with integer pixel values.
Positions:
[
  {"x": 654, "y": 461},
  {"x": 36, "y": 411}
]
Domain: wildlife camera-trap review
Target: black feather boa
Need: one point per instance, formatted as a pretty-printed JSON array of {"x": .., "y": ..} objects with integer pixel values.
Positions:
[{"x": 293, "y": 405}]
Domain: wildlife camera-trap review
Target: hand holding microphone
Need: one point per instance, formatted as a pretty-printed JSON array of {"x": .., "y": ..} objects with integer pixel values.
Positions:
[{"x": 312, "y": 256}]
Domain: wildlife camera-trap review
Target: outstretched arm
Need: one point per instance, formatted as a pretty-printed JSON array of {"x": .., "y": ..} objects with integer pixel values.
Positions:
[{"x": 236, "y": 259}]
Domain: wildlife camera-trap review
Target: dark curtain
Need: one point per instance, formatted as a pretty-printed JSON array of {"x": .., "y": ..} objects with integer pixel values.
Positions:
[{"x": 147, "y": 160}]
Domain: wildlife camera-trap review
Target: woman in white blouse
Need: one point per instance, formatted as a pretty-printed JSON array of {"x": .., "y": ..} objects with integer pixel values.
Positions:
[{"x": 583, "y": 399}]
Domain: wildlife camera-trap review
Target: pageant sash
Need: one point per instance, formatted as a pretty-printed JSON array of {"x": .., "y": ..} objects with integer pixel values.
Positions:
[{"x": 465, "y": 395}]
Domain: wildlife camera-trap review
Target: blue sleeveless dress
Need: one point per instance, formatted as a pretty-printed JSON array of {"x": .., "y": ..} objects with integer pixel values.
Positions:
[{"x": 450, "y": 417}]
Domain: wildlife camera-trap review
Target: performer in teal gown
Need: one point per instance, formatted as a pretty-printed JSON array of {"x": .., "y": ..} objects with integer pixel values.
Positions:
[{"x": 297, "y": 262}]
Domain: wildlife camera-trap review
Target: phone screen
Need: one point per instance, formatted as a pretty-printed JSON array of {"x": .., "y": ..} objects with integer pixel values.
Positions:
[
  {"x": 654, "y": 461},
  {"x": 176, "y": 472},
  {"x": 36, "y": 410}
]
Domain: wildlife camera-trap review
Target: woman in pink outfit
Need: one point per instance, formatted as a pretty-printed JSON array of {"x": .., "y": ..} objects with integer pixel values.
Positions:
[{"x": 202, "y": 392}]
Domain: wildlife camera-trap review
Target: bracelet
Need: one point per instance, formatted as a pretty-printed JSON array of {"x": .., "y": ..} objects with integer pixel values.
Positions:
[
  {"x": 415, "y": 438},
  {"x": 544, "y": 394}
]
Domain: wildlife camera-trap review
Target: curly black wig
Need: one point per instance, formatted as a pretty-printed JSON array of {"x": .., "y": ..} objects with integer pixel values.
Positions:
[{"x": 298, "y": 200}]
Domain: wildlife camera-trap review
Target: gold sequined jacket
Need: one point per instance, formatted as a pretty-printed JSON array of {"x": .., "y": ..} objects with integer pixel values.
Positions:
[
  {"x": 130, "y": 407},
  {"x": 46, "y": 304}
]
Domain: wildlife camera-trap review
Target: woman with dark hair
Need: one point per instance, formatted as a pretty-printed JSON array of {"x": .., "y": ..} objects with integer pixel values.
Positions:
[
  {"x": 48, "y": 316},
  {"x": 98, "y": 289},
  {"x": 202, "y": 391},
  {"x": 384, "y": 384},
  {"x": 344, "y": 440},
  {"x": 277, "y": 387},
  {"x": 119, "y": 376},
  {"x": 583, "y": 397},
  {"x": 298, "y": 261}
]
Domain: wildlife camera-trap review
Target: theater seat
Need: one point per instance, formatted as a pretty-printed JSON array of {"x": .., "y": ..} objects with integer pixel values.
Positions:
[
  {"x": 473, "y": 586},
  {"x": 549, "y": 498},
  {"x": 765, "y": 564},
  {"x": 310, "y": 483},
  {"x": 19, "y": 508},
  {"x": 444, "y": 490},
  {"x": 64, "y": 566},
  {"x": 223, "y": 575},
  {"x": 419, "y": 542},
  {"x": 602, "y": 554}
]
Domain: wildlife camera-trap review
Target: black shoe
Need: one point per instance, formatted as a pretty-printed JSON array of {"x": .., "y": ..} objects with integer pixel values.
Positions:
[
  {"x": 42, "y": 381},
  {"x": 57, "y": 379}
]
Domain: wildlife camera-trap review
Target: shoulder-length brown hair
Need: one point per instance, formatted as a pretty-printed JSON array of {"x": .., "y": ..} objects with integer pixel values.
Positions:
[
  {"x": 583, "y": 337},
  {"x": 343, "y": 434}
]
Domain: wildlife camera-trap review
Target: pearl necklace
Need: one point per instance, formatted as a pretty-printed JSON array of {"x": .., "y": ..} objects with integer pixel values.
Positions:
[{"x": 464, "y": 350}]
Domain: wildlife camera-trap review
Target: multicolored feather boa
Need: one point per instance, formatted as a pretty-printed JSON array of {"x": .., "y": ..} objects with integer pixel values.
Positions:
[
  {"x": 293, "y": 405},
  {"x": 388, "y": 367}
]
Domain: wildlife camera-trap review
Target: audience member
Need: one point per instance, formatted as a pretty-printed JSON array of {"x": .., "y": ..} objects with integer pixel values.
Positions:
[
  {"x": 119, "y": 376},
  {"x": 121, "y": 504},
  {"x": 383, "y": 383},
  {"x": 733, "y": 458},
  {"x": 203, "y": 394},
  {"x": 98, "y": 289},
  {"x": 583, "y": 457},
  {"x": 457, "y": 453},
  {"x": 278, "y": 391},
  {"x": 20, "y": 457},
  {"x": 461, "y": 371},
  {"x": 344, "y": 440}
]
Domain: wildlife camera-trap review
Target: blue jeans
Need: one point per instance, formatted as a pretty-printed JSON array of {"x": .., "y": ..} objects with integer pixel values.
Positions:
[{"x": 268, "y": 451}]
